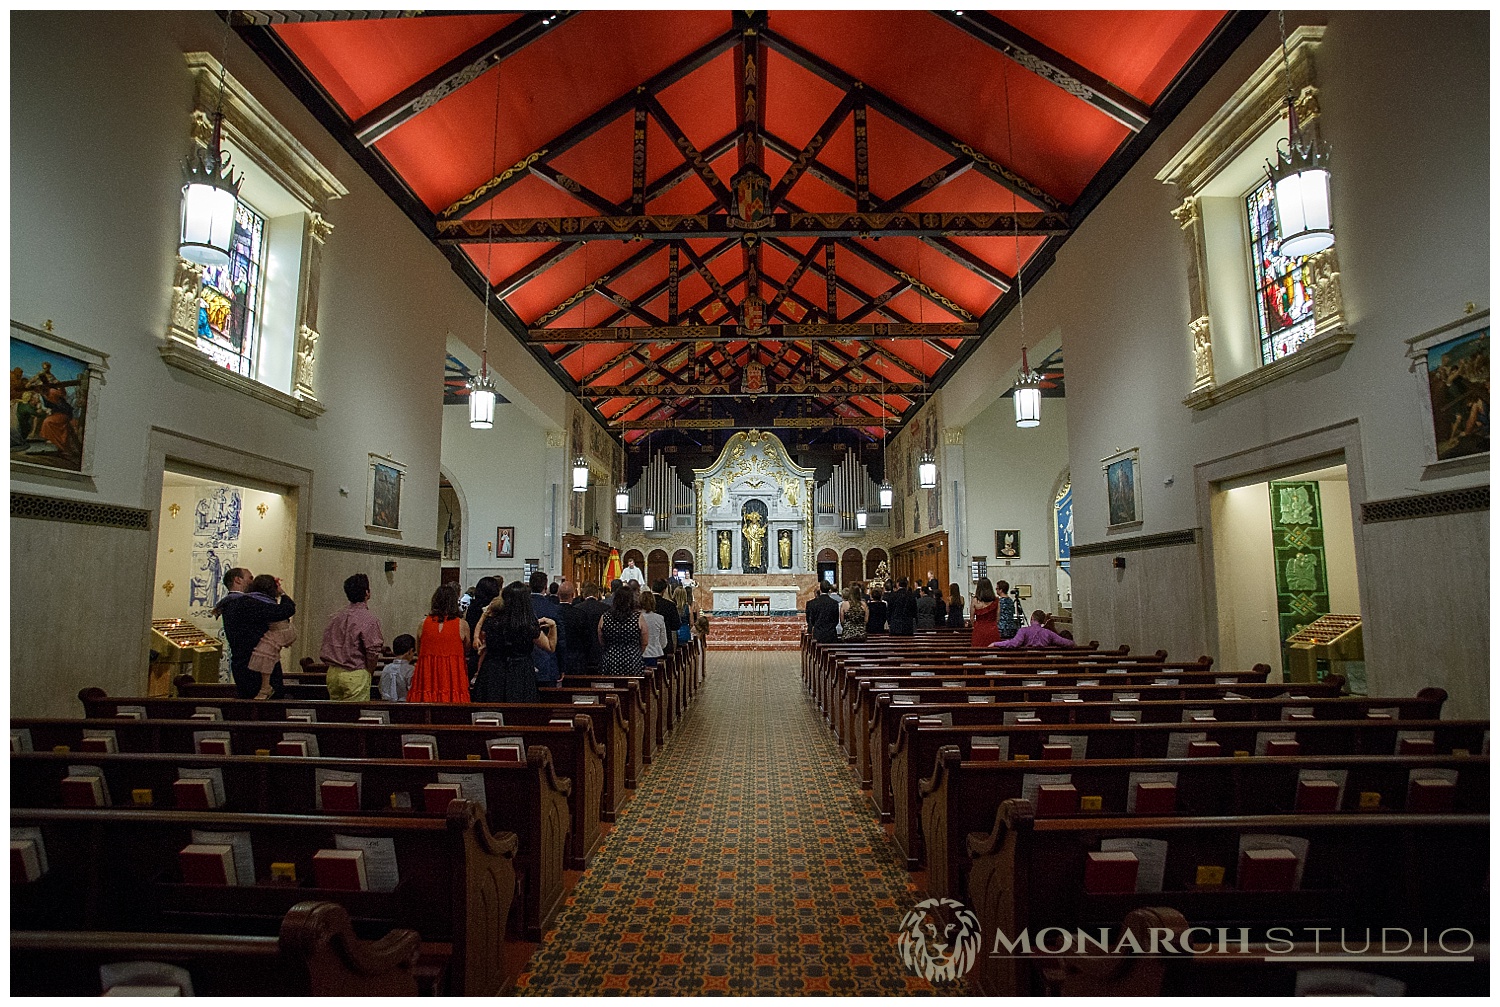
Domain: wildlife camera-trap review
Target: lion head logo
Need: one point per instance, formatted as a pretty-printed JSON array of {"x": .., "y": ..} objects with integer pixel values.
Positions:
[{"x": 939, "y": 940}]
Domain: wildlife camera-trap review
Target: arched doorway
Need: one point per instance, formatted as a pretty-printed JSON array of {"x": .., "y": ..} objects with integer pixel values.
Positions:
[
  {"x": 828, "y": 565},
  {"x": 682, "y": 562},
  {"x": 450, "y": 528},
  {"x": 657, "y": 566},
  {"x": 852, "y": 567},
  {"x": 873, "y": 559}
]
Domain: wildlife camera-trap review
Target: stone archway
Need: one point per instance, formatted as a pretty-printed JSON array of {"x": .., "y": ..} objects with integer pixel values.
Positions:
[
  {"x": 851, "y": 567},
  {"x": 658, "y": 567},
  {"x": 683, "y": 559},
  {"x": 873, "y": 559}
]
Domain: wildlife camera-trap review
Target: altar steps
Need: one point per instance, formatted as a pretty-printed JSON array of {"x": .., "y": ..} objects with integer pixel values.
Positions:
[{"x": 756, "y": 633}]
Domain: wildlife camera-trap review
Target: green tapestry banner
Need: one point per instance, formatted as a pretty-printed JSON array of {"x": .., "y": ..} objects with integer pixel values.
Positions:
[{"x": 1301, "y": 566}]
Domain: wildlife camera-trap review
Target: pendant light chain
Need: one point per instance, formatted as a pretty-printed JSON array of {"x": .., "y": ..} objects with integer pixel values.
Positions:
[{"x": 482, "y": 394}]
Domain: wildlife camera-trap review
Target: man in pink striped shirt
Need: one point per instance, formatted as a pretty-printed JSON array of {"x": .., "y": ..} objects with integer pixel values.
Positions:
[
  {"x": 351, "y": 644},
  {"x": 1035, "y": 635}
]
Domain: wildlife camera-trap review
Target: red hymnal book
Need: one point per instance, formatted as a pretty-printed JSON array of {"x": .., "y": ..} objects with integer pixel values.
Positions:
[
  {"x": 1056, "y": 799},
  {"x": 1156, "y": 798},
  {"x": 1110, "y": 873},
  {"x": 344, "y": 869},
  {"x": 436, "y": 796},
  {"x": 1268, "y": 870},
  {"x": 207, "y": 864},
  {"x": 1317, "y": 796},
  {"x": 1203, "y": 749},
  {"x": 291, "y": 748},
  {"x": 505, "y": 753},
  {"x": 339, "y": 795},
  {"x": 24, "y": 864},
  {"x": 83, "y": 792},
  {"x": 1416, "y": 746},
  {"x": 1283, "y": 748},
  {"x": 1427, "y": 796},
  {"x": 213, "y": 746},
  {"x": 193, "y": 794},
  {"x": 984, "y": 753},
  {"x": 1057, "y": 751},
  {"x": 418, "y": 750},
  {"x": 104, "y": 745}
]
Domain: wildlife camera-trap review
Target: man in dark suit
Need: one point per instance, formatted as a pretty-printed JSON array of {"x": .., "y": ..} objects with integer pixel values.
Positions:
[
  {"x": 902, "y": 610},
  {"x": 574, "y": 631},
  {"x": 245, "y": 622},
  {"x": 823, "y": 615},
  {"x": 667, "y": 609},
  {"x": 593, "y": 610}
]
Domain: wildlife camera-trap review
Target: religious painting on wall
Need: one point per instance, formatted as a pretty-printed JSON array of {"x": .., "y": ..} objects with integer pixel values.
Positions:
[
  {"x": 505, "y": 542},
  {"x": 1453, "y": 363},
  {"x": 216, "y": 546},
  {"x": 384, "y": 494},
  {"x": 50, "y": 384},
  {"x": 1062, "y": 523},
  {"x": 784, "y": 549},
  {"x": 1123, "y": 488},
  {"x": 726, "y": 549},
  {"x": 1008, "y": 544}
]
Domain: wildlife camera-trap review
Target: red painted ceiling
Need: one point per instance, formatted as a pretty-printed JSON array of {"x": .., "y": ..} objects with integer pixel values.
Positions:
[{"x": 933, "y": 69}]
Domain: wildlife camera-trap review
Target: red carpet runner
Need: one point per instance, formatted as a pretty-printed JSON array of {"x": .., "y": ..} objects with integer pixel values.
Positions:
[{"x": 746, "y": 864}]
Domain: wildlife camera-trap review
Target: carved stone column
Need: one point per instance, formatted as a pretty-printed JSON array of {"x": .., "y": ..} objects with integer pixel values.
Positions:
[{"x": 1190, "y": 220}]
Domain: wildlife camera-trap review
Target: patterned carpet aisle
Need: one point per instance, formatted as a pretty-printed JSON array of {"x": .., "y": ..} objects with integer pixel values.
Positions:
[{"x": 746, "y": 863}]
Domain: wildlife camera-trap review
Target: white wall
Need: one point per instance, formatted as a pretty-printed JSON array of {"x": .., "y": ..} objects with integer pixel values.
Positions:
[
  {"x": 100, "y": 105},
  {"x": 1405, "y": 103},
  {"x": 1010, "y": 477}
]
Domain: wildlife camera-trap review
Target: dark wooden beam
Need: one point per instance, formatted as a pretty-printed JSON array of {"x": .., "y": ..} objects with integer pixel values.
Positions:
[
  {"x": 729, "y": 390},
  {"x": 462, "y": 69},
  {"x": 711, "y": 280},
  {"x": 684, "y": 171},
  {"x": 690, "y": 153},
  {"x": 608, "y": 277},
  {"x": 971, "y": 262},
  {"x": 574, "y": 188},
  {"x": 831, "y": 278},
  {"x": 862, "y": 201},
  {"x": 729, "y": 423},
  {"x": 808, "y": 155},
  {"x": 581, "y": 131},
  {"x": 903, "y": 116},
  {"x": 626, "y": 304},
  {"x": 638, "y": 163},
  {"x": 536, "y": 267},
  {"x": 658, "y": 289},
  {"x": 750, "y": 87},
  {"x": 817, "y": 169},
  {"x": 917, "y": 190},
  {"x": 795, "y": 224},
  {"x": 878, "y": 303},
  {"x": 1052, "y": 66},
  {"x": 798, "y": 270},
  {"x": 674, "y": 269},
  {"x": 808, "y": 332},
  {"x": 246, "y": 18},
  {"x": 912, "y": 282}
]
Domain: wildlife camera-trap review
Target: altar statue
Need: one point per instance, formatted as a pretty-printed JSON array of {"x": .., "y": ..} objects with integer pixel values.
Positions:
[
  {"x": 726, "y": 550},
  {"x": 755, "y": 540},
  {"x": 784, "y": 548}
]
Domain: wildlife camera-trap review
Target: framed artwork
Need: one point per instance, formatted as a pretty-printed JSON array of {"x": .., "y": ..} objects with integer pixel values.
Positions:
[
  {"x": 1452, "y": 365},
  {"x": 1008, "y": 544},
  {"x": 386, "y": 476},
  {"x": 1122, "y": 480},
  {"x": 52, "y": 384},
  {"x": 505, "y": 542}
]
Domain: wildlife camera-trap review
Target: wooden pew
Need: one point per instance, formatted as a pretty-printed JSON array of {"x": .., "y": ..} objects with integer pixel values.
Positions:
[
  {"x": 1383, "y": 870},
  {"x": 868, "y": 707},
  {"x": 873, "y": 757},
  {"x": 606, "y": 712},
  {"x": 960, "y": 797},
  {"x": 117, "y": 868},
  {"x": 527, "y": 800},
  {"x": 575, "y": 754},
  {"x": 316, "y": 954},
  {"x": 916, "y": 748}
]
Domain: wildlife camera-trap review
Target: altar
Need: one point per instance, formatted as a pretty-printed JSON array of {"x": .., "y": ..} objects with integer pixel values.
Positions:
[
  {"x": 755, "y": 516},
  {"x": 779, "y": 599}
]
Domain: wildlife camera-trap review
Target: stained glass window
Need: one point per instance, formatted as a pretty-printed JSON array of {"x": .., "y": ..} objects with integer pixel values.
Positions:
[
  {"x": 229, "y": 297},
  {"x": 1283, "y": 296}
]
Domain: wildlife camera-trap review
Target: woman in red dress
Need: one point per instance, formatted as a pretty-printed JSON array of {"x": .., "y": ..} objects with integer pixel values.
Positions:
[
  {"x": 442, "y": 675},
  {"x": 986, "y": 607}
]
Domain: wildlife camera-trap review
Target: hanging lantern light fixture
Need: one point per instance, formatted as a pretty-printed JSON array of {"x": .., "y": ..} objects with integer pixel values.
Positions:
[
  {"x": 861, "y": 518},
  {"x": 887, "y": 492},
  {"x": 622, "y": 499},
  {"x": 482, "y": 394},
  {"x": 1300, "y": 175},
  {"x": 580, "y": 474},
  {"x": 648, "y": 520},
  {"x": 209, "y": 193},
  {"x": 927, "y": 470},
  {"x": 1028, "y": 395}
]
